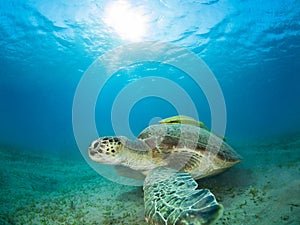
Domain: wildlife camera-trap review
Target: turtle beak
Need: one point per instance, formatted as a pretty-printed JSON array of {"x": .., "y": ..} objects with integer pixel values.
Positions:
[{"x": 91, "y": 151}]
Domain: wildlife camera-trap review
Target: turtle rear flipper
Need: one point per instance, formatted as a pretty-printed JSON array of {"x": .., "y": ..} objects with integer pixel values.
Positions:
[{"x": 171, "y": 198}]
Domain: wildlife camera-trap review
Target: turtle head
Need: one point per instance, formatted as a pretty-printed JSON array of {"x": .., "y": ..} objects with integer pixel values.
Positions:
[{"x": 107, "y": 150}]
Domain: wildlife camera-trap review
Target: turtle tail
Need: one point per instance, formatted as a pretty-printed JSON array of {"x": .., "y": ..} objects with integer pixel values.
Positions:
[{"x": 171, "y": 198}]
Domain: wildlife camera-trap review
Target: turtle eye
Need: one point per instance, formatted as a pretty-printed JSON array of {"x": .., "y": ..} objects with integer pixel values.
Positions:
[{"x": 96, "y": 144}]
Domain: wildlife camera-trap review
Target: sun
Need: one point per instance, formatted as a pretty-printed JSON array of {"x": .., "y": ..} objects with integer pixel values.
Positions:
[{"x": 128, "y": 22}]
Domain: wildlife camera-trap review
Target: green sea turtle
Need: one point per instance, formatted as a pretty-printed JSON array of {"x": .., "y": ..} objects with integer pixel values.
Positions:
[{"x": 171, "y": 155}]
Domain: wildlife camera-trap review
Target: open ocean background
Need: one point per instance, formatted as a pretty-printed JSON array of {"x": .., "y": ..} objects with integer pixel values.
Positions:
[{"x": 252, "y": 48}]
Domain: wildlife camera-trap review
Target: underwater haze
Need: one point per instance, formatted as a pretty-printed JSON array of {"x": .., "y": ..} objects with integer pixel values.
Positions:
[{"x": 252, "y": 49}]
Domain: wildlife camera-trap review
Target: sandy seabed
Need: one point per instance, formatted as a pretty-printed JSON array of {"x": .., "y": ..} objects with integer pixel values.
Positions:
[{"x": 51, "y": 189}]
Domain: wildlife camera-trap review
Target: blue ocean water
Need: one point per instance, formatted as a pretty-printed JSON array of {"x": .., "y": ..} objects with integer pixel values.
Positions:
[
  {"x": 251, "y": 47},
  {"x": 46, "y": 46}
]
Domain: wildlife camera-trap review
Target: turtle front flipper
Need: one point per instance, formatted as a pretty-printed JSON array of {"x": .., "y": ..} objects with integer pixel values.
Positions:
[{"x": 171, "y": 198}]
